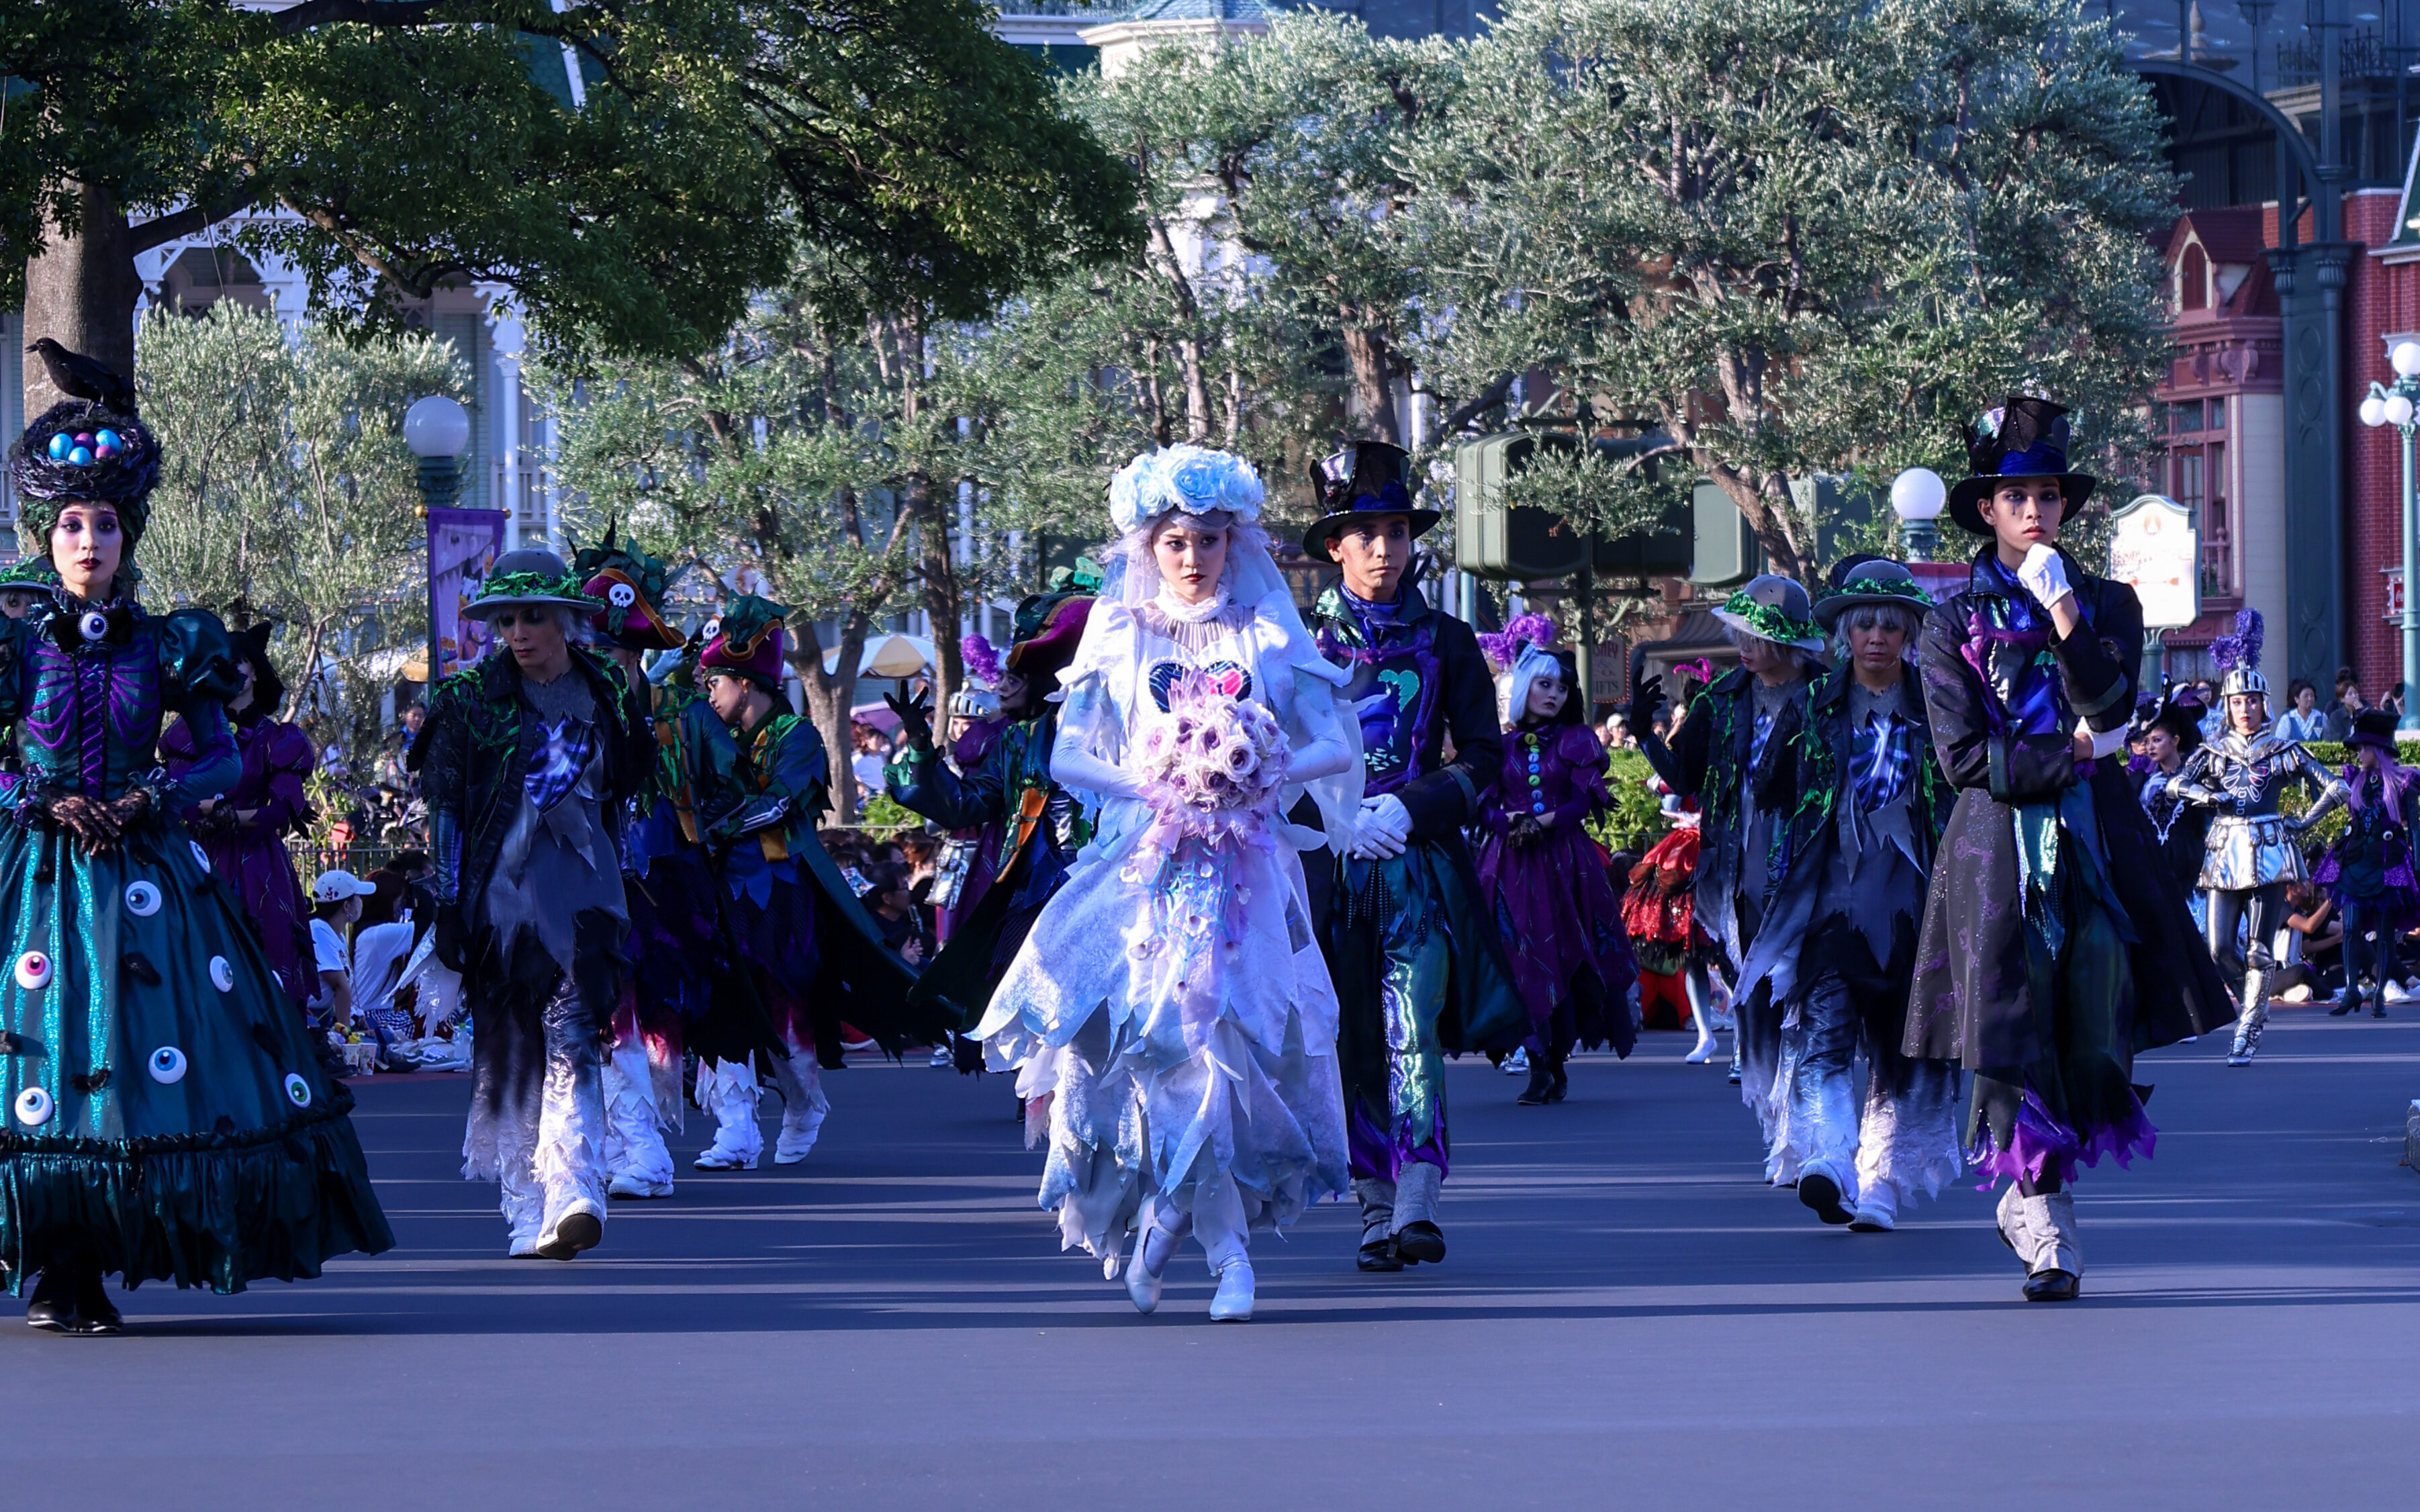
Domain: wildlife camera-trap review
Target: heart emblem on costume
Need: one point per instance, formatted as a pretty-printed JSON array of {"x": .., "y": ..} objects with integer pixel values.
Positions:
[
  {"x": 1405, "y": 683},
  {"x": 1225, "y": 678}
]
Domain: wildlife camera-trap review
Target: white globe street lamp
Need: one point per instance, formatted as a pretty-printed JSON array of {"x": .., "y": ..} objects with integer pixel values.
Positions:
[
  {"x": 1917, "y": 497},
  {"x": 438, "y": 431},
  {"x": 2394, "y": 407}
]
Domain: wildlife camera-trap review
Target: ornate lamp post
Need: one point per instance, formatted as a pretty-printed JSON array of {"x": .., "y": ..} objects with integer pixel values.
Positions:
[
  {"x": 437, "y": 429},
  {"x": 2395, "y": 407},
  {"x": 1917, "y": 498}
]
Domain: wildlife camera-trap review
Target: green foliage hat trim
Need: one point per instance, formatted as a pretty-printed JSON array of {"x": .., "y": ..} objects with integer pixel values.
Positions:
[
  {"x": 1766, "y": 621},
  {"x": 1871, "y": 582},
  {"x": 505, "y": 589}
]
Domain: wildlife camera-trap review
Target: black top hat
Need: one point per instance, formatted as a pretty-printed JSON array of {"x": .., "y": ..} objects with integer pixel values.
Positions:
[
  {"x": 1364, "y": 479},
  {"x": 2374, "y": 728},
  {"x": 2026, "y": 437},
  {"x": 252, "y": 649}
]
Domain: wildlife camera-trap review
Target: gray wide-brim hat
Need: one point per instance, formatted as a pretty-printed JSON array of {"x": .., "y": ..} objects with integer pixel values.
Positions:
[
  {"x": 528, "y": 577},
  {"x": 1877, "y": 581},
  {"x": 1772, "y": 608}
]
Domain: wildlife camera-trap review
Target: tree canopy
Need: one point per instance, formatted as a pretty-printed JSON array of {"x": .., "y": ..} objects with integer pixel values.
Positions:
[
  {"x": 631, "y": 170},
  {"x": 1798, "y": 236}
]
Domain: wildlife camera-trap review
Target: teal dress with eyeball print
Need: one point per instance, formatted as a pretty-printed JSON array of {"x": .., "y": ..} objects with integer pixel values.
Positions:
[{"x": 162, "y": 1107}]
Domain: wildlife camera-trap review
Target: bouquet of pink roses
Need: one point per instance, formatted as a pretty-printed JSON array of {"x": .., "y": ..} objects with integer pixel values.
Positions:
[{"x": 1213, "y": 751}]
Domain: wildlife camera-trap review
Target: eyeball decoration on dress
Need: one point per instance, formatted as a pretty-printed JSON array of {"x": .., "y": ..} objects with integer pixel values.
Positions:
[
  {"x": 166, "y": 1065},
  {"x": 222, "y": 975},
  {"x": 298, "y": 1091},
  {"x": 201, "y": 857},
  {"x": 142, "y": 899},
  {"x": 1194, "y": 479},
  {"x": 94, "y": 625},
  {"x": 33, "y": 1107},
  {"x": 33, "y": 971}
]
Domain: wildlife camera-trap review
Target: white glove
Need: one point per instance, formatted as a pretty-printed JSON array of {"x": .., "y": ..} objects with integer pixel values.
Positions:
[
  {"x": 2104, "y": 742},
  {"x": 1386, "y": 828},
  {"x": 2044, "y": 575}
]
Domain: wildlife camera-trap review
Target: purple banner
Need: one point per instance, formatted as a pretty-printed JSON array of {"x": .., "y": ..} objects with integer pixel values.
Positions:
[{"x": 462, "y": 546}]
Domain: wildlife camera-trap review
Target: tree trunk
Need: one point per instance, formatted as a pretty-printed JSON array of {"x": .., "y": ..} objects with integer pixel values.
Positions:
[
  {"x": 1764, "y": 516},
  {"x": 1374, "y": 381},
  {"x": 829, "y": 696},
  {"x": 943, "y": 596},
  {"x": 80, "y": 291}
]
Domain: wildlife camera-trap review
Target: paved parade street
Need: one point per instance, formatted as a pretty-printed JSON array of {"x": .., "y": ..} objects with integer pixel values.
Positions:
[{"x": 1627, "y": 1319}]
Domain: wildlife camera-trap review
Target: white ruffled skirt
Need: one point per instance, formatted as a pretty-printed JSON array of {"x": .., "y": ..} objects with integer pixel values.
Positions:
[{"x": 1170, "y": 1020}]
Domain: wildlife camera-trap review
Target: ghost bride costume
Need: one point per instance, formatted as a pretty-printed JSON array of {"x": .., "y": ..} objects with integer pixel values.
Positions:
[{"x": 1171, "y": 1016}]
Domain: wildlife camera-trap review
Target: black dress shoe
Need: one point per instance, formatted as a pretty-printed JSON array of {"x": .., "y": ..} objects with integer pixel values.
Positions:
[
  {"x": 53, "y": 1307},
  {"x": 1542, "y": 1084},
  {"x": 1563, "y": 1082},
  {"x": 2351, "y": 1004},
  {"x": 1421, "y": 1243},
  {"x": 2052, "y": 1286},
  {"x": 101, "y": 1316},
  {"x": 1379, "y": 1255}
]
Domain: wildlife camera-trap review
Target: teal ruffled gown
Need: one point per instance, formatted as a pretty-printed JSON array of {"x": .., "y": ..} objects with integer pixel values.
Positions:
[{"x": 162, "y": 1112}]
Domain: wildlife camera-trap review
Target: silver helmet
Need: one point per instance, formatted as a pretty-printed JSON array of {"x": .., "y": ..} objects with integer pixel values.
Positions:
[{"x": 2238, "y": 656}]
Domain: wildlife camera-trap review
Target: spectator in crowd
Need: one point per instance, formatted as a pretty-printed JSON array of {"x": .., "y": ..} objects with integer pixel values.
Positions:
[
  {"x": 893, "y": 906},
  {"x": 2311, "y": 916},
  {"x": 2303, "y": 719},
  {"x": 2349, "y": 703},
  {"x": 867, "y": 759},
  {"x": 336, "y": 906},
  {"x": 1616, "y": 733}
]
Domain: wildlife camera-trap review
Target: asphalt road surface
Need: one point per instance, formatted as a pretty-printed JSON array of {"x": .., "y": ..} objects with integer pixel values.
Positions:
[{"x": 1628, "y": 1318}]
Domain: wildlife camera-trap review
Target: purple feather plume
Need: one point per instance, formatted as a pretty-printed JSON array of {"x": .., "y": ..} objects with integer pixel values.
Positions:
[
  {"x": 2241, "y": 649},
  {"x": 1503, "y": 647},
  {"x": 983, "y": 660}
]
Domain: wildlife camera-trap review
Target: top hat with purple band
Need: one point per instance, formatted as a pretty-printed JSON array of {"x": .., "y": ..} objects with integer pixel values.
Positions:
[
  {"x": 628, "y": 587},
  {"x": 2374, "y": 728},
  {"x": 747, "y": 640},
  {"x": 1049, "y": 625},
  {"x": 2025, "y": 438},
  {"x": 1366, "y": 479}
]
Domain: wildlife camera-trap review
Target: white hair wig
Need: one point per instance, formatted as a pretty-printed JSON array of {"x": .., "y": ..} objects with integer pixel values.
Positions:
[{"x": 1906, "y": 619}]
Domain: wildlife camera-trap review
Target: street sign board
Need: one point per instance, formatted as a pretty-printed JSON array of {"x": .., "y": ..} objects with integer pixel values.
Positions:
[{"x": 2155, "y": 551}]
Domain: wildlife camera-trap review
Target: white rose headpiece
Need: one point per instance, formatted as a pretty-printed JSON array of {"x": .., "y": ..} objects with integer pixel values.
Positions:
[{"x": 1194, "y": 479}]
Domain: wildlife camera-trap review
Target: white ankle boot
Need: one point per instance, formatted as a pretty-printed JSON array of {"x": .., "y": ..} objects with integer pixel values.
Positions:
[{"x": 1233, "y": 1302}]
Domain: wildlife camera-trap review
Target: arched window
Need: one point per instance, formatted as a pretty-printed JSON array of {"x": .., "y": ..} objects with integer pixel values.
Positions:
[{"x": 2193, "y": 278}]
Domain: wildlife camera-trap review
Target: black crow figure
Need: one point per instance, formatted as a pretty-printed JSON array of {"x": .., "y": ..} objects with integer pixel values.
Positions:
[{"x": 78, "y": 377}]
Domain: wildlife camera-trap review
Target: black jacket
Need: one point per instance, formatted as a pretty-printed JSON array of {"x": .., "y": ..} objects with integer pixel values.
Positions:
[
  {"x": 476, "y": 748},
  {"x": 1971, "y": 1000}
]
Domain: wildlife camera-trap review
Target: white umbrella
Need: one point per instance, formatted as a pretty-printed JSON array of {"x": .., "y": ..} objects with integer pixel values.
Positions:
[{"x": 888, "y": 655}]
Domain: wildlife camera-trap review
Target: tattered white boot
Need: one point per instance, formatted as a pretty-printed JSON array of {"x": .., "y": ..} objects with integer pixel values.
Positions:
[
  {"x": 803, "y": 1107},
  {"x": 636, "y": 1158},
  {"x": 729, "y": 1092}
]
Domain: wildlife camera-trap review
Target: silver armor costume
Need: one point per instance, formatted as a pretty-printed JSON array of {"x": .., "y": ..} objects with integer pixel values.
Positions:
[{"x": 2252, "y": 853}]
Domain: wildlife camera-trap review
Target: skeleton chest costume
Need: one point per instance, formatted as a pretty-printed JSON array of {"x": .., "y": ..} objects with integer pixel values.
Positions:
[
  {"x": 2240, "y": 779},
  {"x": 2254, "y": 850}
]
